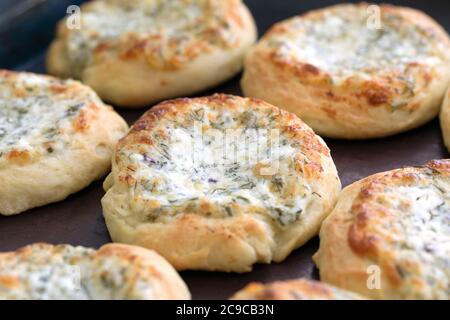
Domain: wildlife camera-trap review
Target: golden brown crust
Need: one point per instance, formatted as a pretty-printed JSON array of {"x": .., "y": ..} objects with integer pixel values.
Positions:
[
  {"x": 291, "y": 125},
  {"x": 56, "y": 138},
  {"x": 396, "y": 222},
  {"x": 172, "y": 52},
  {"x": 115, "y": 271},
  {"x": 336, "y": 101},
  {"x": 210, "y": 216},
  {"x": 156, "y": 47},
  {"x": 168, "y": 284},
  {"x": 445, "y": 119},
  {"x": 300, "y": 289}
]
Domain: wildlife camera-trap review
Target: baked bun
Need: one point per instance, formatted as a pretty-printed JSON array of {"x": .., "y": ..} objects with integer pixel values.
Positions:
[
  {"x": 300, "y": 289},
  {"x": 56, "y": 137},
  {"x": 133, "y": 53},
  {"x": 389, "y": 235},
  {"x": 347, "y": 79},
  {"x": 445, "y": 120},
  {"x": 219, "y": 183},
  {"x": 114, "y": 272}
]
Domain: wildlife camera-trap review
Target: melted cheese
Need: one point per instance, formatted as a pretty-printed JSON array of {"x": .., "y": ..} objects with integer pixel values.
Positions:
[
  {"x": 220, "y": 160},
  {"x": 67, "y": 272},
  {"x": 421, "y": 233},
  {"x": 171, "y": 27},
  {"x": 343, "y": 44},
  {"x": 32, "y": 118}
]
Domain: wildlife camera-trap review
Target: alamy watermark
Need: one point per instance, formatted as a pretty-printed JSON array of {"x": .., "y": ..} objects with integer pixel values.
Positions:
[
  {"x": 373, "y": 277},
  {"x": 73, "y": 21},
  {"x": 374, "y": 17},
  {"x": 74, "y": 273}
]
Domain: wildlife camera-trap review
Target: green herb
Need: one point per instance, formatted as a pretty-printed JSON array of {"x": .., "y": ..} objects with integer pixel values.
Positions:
[
  {"x": 229, "y": 211},
  {"x": 278, "y": 183},
  {"x": 73, "y": 110}
]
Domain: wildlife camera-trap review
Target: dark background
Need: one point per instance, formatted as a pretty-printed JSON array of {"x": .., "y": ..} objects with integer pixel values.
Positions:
[{"x": 26, "y": 29}]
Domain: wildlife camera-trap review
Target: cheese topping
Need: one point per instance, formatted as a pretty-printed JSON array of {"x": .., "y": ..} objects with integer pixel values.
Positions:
[
  {"x": 32, "y": 117},
  {"x": 232, "y": 160},
  {"x": 421, "y": 232},
  {"x": 46, "y": 276},
  {"x": 342, "y": 42},
  {"x": 167, "y": 31},
  {"x": 70, "y": 273}
]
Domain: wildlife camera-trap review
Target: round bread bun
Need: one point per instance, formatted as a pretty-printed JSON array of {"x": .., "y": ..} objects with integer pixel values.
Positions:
[
  {"x": 445, "y": 120},
  {"x": 299, "y": 289},
  {"x": 389, "y": 235},
  {"x": 347, "y": 78},
  {"x": 56, "y": 137},
  {"x": 133, "y": 53},
  {"x": 219, "y": 183},
  {"x": 114, "y": 272}
]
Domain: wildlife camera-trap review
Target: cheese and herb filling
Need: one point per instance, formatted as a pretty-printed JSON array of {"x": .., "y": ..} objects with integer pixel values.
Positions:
[
  {"x": 402, "y": 224},
  {"x": 167, "y": 33},
  {"x": 347, "y": 41},
  {"x": 218, "y": 163},
  {"x": 421, "y": 233},
  {"x": 37, "y": 114},
  {"x": 64, "y": 272}
]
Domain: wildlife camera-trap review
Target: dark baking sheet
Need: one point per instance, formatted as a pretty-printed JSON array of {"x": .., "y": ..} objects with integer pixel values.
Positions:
[{"x": 24, "y": 37}]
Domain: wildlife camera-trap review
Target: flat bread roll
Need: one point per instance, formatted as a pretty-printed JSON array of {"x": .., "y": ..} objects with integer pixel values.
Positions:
[
  {"x": 298, "y": 289},
  {"x": 133, "y": 53},
  {"x": 114, "y": 272},
  {"x": 56, "y": 137},
  {"x": 219, "y": 183},
  {"x": 389, "y": 235},
  {"x": 353, "y": 71}
]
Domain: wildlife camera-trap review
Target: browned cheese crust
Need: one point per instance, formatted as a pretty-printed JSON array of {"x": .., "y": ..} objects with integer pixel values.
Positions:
[
  {"x": 349, "y": 79},
  {"x": 395, "y": 226}
]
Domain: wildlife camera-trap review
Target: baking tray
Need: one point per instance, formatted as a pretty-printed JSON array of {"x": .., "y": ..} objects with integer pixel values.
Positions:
[{"x": 24, "y": 36}]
